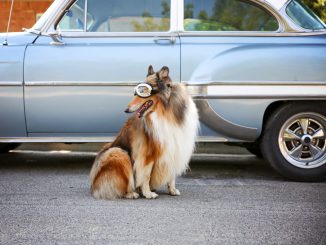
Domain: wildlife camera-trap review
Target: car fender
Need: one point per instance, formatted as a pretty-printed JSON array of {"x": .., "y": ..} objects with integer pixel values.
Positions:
[{"x": 236, "y": 86}]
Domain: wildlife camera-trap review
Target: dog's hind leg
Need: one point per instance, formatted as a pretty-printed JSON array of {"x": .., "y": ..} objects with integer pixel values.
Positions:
[
  {"x": 143, "y": 175},
  {"x": 131, "y": 194},
  {"x": 112, "y": 175}
]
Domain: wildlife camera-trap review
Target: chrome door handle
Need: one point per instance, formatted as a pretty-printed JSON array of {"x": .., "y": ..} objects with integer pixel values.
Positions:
[{"x": 165, "y": 40}]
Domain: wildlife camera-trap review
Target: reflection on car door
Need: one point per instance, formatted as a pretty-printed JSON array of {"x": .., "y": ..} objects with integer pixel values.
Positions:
[{"x": 83, "y": 86}]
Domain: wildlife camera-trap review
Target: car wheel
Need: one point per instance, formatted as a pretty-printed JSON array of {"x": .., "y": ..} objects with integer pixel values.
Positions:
[
  {"x": 5, "y": 147},
  {"x": 294, "y": 141}
]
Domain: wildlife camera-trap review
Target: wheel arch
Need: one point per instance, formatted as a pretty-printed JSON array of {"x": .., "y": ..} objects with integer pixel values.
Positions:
[{"x": 272, "y": 107}]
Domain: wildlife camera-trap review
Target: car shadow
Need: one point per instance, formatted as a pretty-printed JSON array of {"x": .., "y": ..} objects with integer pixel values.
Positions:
[
  {"x": 239, "y": 167},
  {"x": 210, "y": 166},
  {"x": 45, "y": 161}
]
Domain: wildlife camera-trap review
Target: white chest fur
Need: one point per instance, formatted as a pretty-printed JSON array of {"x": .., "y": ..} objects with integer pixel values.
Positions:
[{"x": 177, "y": 143}]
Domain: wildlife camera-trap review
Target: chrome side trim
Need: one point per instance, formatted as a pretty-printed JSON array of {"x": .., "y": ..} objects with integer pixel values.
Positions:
[
  {"x": 219, "y": 124},
  {"x": 219, "y": 90},
  {"x": 211, "y": 139},
  {"x": 82, "y": 34},
  {"x": 57, "y": 139},
  {"x": 7, "y": 83},
  {"x": 248, "y": 34},
  {"x": 9, "y": 62},
  {"x": 276, "y": 97},
  {"x": 190, "y": 84},
  {"x": 86, "y": 83},
  {"x": 259, "y": 91},
  {"x": 260, "y": 83},
  {"x": 86, "y": 139}
]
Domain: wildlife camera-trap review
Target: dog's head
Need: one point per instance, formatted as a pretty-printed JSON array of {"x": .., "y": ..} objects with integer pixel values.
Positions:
[{"x": 155, "y": 89}]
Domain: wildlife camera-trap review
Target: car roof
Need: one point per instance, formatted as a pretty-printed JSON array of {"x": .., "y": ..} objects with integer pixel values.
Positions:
[{"x": 277, "y": 4}]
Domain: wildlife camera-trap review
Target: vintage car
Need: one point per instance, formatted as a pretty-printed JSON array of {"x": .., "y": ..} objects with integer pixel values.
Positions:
[{"x": 256, "y": 69}]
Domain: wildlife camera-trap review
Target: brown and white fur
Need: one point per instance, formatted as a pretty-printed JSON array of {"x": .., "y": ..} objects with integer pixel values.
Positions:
[{"x": 153, "y": 147}]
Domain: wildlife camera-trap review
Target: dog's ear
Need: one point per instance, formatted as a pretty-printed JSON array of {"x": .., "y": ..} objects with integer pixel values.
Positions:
[
  {"x": 160, "y": 84},
  {"x": 164, "y": 76},
  {"x": 164, "y": 72},
  {"x": 150, "y": 70}
]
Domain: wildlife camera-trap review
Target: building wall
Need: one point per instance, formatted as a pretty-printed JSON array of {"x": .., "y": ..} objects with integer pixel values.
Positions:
[{"x": 24, "y": 13}]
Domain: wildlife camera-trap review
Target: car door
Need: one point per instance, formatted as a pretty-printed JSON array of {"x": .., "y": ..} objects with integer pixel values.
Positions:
[
  {"x": 231, "y": 48},
  {"x": 80, "y": 84}
]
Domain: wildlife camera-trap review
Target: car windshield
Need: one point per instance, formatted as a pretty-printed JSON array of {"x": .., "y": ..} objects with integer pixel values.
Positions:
[{"x": 303, "y": 16}]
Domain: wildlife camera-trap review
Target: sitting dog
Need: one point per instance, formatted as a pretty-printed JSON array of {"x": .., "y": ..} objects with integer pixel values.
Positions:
[{"x": 153, "y": 147}]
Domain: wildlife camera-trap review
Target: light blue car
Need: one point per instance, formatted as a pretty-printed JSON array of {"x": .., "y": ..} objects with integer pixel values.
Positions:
[{"x": 256, "y": 69}]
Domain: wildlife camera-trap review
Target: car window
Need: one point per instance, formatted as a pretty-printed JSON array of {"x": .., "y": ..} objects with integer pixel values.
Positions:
[
  {"x": 226, "y": 15},
  {"x": 303, "y": 16},
  {"x": 74, "y": 17},
  {"x": 118, "y": 16}
]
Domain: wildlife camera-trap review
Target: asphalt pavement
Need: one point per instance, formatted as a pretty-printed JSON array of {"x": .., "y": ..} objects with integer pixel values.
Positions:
[{"x": 227, "y": 197}]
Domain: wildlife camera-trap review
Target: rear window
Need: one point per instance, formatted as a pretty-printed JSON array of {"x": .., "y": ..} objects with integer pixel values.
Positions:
[
  {"x": 304, "y": 16},
  {"x": 226, "y": 15}
]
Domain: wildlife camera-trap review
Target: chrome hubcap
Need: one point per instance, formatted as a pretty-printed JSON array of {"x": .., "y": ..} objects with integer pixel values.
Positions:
[
  {"x": 302, "y": 140},
  {"x": 306, "y": 139}
]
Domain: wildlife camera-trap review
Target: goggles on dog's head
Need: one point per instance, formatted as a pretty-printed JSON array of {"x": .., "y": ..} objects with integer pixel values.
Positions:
[{"x": 144, "y": 90}]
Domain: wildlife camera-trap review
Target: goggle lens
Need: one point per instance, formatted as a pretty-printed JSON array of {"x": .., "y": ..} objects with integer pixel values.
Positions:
[{"x": 143, "y": 90}]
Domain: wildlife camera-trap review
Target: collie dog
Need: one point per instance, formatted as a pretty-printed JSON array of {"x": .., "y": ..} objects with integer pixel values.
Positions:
[{"x": 155, "y": 144}]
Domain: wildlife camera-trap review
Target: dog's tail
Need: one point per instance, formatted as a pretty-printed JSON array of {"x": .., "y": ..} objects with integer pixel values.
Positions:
[{"x": 111, "y": 175}]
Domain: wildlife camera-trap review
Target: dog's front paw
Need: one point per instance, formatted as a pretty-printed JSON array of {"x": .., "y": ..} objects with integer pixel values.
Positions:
[
  {"x": 150, "y": 195},
  {"x": 174, "y": 192}
]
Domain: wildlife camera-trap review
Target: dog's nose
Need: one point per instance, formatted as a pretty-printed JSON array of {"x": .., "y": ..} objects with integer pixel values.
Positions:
[{"x": 127, "y": 110}]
